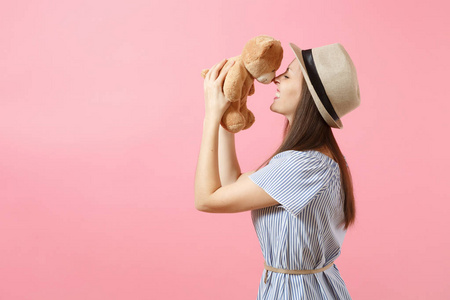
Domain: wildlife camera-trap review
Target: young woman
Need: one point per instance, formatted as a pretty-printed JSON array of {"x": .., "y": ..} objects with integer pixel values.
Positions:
[{"x": 302, "y": 201}]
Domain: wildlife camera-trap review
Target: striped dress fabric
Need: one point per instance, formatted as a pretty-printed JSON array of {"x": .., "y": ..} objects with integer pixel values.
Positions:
[{"x": 301, "y": 233}]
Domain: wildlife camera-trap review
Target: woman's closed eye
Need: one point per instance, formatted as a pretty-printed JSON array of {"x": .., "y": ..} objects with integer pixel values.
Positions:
[{"x": 286, "y": 76}]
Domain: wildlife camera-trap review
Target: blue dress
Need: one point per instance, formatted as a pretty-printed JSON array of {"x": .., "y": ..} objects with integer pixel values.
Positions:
[{"x": 302, "y": 231}]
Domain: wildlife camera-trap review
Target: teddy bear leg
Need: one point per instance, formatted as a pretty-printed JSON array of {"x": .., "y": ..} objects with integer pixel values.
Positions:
[
  {"x": 234, "y": 121},
  {"x": 249, "y": 117}
]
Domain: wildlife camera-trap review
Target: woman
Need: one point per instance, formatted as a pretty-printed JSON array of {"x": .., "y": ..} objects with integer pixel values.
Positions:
[{"x": 302, "y": 201}]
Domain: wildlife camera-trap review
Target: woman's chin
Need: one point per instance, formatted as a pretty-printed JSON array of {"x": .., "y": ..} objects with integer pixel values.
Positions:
[
  {"x": 274, "y": 109},
  {"x": 273, "y": 106}
]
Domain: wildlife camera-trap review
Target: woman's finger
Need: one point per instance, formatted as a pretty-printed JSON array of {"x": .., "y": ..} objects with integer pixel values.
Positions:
[
  {"x": 223, "y": 73},
  {"x": 215, "y": 70},
  {"x": 208, "y": 76}
]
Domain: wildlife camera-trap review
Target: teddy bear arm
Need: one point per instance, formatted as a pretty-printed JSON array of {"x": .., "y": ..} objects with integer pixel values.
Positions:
[
  {"x": 204, "y": 72},
  {"x": 252, "y": 90},
  {"x": 232, "y": 87}
]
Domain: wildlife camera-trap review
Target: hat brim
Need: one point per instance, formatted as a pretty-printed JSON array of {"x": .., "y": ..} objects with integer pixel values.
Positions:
[{"x": 327, "y": 117}]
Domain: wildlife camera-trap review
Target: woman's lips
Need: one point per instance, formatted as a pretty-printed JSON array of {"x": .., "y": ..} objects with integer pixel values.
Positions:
[{"x": 277, "y": 95}]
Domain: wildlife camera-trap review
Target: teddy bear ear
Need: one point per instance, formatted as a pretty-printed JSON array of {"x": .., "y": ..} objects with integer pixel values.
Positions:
[
  {"x": 265, "y": 48},
  {"x": 261, "y": 47},
  {"x": 264, "y": 45}
]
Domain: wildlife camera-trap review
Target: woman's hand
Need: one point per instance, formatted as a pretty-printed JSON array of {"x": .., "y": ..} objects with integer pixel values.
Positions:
[{"x": 215, "y": 101}]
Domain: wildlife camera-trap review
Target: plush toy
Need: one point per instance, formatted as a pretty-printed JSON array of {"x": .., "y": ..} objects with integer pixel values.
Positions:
[{"x": 259, "y": 60}]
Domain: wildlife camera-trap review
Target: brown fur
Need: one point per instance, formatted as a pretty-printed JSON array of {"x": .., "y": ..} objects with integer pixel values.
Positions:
[{"x": 261, "y": 55}]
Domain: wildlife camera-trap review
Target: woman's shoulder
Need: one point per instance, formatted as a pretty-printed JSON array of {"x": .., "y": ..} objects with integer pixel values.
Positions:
[
  {"x": 311, "y": 155},
  {"x": 296, "y": 154}
]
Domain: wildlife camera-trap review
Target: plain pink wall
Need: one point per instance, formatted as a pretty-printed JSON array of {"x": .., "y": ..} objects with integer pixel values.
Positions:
[{"x": 101, "y": 114}]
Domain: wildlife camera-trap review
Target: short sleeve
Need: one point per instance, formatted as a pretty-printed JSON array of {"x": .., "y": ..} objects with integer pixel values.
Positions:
[{"x": 293, "y": 179}]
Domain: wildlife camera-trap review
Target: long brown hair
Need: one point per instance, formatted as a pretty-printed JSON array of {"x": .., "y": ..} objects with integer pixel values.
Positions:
[{"x": 309, "y": 131}]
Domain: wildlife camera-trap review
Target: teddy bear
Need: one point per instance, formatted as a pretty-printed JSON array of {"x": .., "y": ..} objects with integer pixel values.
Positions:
[{"x": 260, "y": 58}]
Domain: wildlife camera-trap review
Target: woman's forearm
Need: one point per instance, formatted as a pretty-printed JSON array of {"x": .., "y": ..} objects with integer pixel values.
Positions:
[
  {"x": 207, "y": 179},
  {"x": 229, "y": 168}
]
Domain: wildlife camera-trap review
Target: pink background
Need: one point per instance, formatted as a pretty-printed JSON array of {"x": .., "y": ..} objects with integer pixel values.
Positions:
[{"x": 101, "y": 114}]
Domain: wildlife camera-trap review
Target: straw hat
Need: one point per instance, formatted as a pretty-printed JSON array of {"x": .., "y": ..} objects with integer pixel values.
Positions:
[{"x": 331, "y": 78}]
